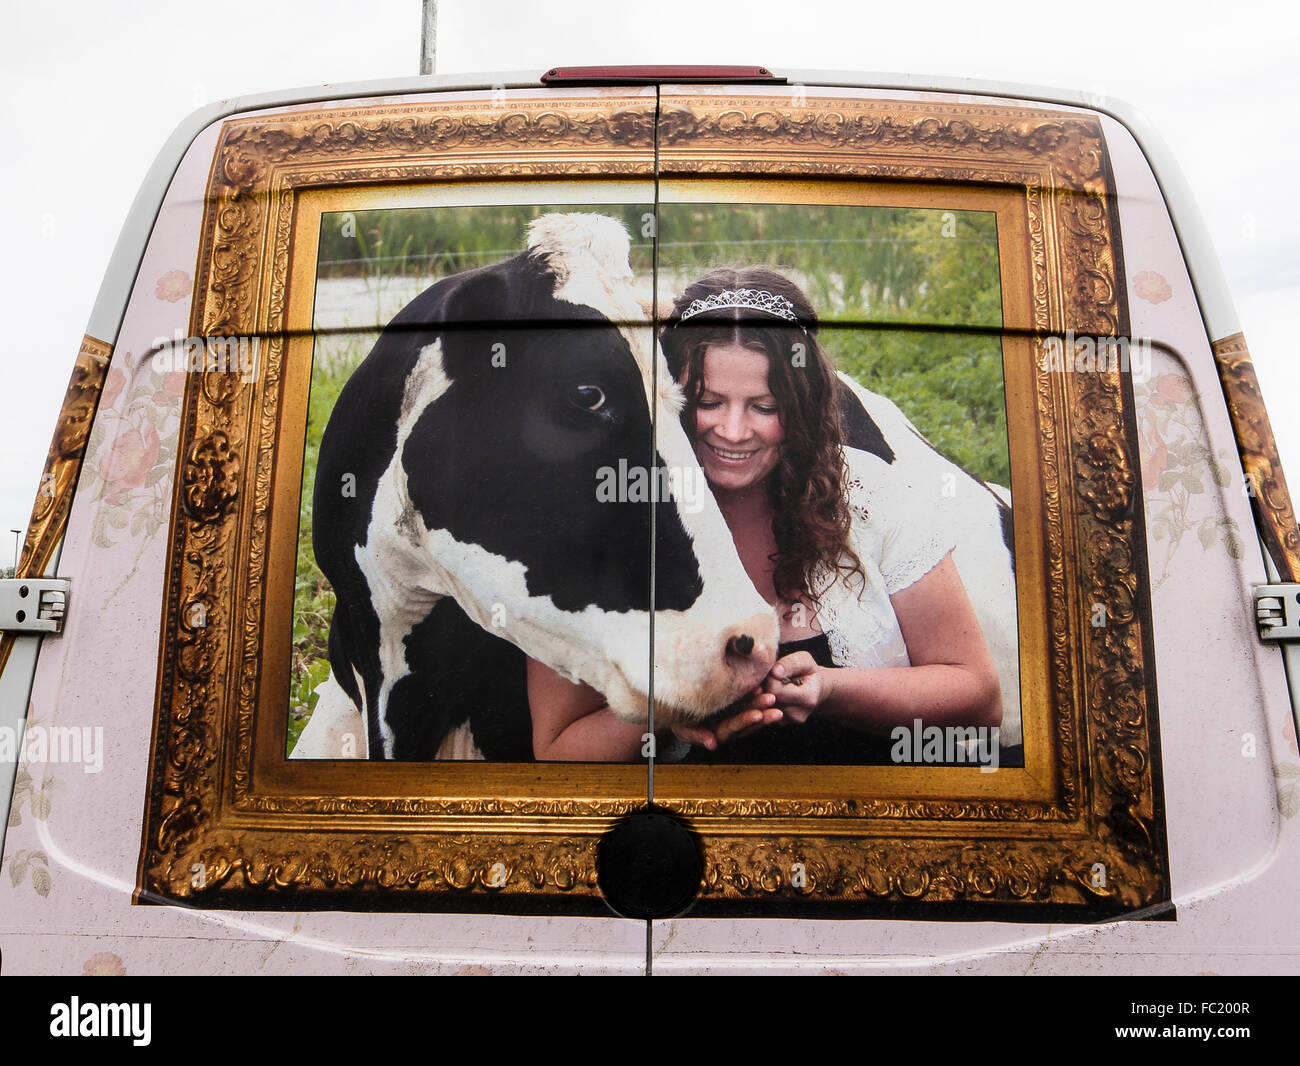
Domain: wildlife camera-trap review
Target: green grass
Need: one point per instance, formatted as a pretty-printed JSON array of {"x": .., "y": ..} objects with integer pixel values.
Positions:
[{"x": 313, "y": 599}]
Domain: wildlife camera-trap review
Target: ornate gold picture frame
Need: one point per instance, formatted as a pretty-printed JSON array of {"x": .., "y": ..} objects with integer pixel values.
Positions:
[{"x": 1077, "y": 833}]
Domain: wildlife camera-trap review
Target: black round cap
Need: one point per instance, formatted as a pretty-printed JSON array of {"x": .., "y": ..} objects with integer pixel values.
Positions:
[{"x": 649, "y": 866}]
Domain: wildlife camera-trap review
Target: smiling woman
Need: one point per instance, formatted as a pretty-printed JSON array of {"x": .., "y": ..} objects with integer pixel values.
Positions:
[
  {"x": 737, "y": 429},
  {"x": 876, "y": 628}
]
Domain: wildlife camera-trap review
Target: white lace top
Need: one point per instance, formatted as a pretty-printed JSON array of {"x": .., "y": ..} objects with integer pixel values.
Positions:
[{"x": 900, "y": 532}]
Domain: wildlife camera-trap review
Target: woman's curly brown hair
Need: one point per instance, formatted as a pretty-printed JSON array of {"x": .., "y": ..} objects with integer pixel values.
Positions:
[{"x": 811, "y": 514}]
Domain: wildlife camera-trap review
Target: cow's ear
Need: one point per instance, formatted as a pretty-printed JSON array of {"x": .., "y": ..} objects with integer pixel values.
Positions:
[
  {"x": 479, "y": 318},
  {"x": 860, "y": 429}
]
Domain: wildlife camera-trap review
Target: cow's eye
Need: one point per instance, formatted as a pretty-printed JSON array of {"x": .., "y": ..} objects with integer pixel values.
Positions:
[{"x": 588, "y": 397}]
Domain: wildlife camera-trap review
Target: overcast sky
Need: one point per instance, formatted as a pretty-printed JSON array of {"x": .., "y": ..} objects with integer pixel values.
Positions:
[{"x": 90, "y": 91}]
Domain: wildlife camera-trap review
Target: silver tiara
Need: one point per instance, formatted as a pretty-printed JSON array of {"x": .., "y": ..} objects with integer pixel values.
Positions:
[{"x": 749, "y": 299}]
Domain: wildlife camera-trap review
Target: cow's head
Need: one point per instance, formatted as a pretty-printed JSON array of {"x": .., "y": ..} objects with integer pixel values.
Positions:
[{"x": 526, "y": 474}]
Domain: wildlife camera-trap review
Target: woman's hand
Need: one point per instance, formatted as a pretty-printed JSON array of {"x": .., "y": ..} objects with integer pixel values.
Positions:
[
  {"x": 792, "y": 690},
  {"x": 798, "y": 685},
  {"x": 761, "y": 711}
]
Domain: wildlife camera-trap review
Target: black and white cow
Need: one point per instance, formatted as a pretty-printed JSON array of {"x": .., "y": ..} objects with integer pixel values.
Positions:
[{"x": 458, "y": 518}]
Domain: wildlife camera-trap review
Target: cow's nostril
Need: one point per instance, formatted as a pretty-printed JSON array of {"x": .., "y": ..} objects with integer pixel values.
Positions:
[{"x": 741, "y": 645}]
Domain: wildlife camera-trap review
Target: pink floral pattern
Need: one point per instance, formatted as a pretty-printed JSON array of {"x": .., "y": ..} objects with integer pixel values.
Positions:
[
  {"x": 173, "y": 386},
  {"x": 129, "y": 461},
  {"x": 114, "y": 383},
  {"x": 1180, "y": 478},
  {"x": 104, "y": 964},
  {"x": 1154, "y": 454},
  {"x": 134, "y": 441},
  {"x": 1151, "y": 287},
  {"x": 174, "y": 286},
  {"x": 1172, "y": 389}
]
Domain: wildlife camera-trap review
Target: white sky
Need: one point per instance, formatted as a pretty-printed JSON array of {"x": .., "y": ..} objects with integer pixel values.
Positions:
[{"x": 90, "y": 91}]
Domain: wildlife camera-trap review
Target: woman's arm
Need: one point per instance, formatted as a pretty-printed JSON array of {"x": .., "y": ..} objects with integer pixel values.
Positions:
[
  {"x": 952, "y": 679},
  {"x": 572, "y": 723}
]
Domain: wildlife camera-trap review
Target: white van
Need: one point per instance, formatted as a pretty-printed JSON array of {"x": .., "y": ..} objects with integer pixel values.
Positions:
[{"x": 385, "y": 421}]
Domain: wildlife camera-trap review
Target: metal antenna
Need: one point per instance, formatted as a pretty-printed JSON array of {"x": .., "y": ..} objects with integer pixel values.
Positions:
[{"x": 428, "y": 37}]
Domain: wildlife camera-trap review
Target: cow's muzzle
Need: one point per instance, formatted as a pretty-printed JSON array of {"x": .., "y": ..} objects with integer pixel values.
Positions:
[{"x": 702, "y": 669}]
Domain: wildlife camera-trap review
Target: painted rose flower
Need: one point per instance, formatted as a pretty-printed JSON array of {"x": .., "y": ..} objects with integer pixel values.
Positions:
[
  {"x": 129, "y": 461},
  {"x": 114, "y": 383},
  {"x": 1154, "y": 455},
  {"x": 105, "y": 964},
  {"x": 173, "y": 386},
  {"x": 1151, "y": 287},
  {"x": 1172, "y": 389},
  {"x": 173, "y": 286}
]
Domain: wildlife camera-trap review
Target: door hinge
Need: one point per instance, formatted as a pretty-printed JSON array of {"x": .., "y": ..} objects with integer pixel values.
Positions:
[
  {"x": 1277, "y": 611},
  {"x": 33, "y": 604}
]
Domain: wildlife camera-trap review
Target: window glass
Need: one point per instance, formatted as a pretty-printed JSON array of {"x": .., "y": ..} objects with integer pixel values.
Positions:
[
  {"x": 513, "y": 410},
  {"x": 842, "y": 365}
]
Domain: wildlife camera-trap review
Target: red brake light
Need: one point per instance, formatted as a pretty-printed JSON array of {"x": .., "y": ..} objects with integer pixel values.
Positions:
[{"x": 642, "y": 75}]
